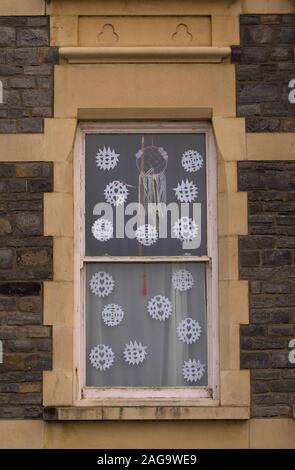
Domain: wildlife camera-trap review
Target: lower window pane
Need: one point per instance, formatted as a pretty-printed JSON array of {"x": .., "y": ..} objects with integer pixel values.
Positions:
[{"x": 146, "y": 325}]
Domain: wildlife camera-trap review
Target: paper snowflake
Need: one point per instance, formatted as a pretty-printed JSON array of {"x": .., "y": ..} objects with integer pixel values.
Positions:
[
  {"x": 185, "y": 229},
  {"x": 102, "y": 357},
  {"x": 134, "y": 353},
  {"x": 192, "y": 161},
  {"x": 116, "y": 193},
  {"x": 102, "y": 230},
  {"x": 188, "y": 331},
  {"x": 146, "y": 234},
  {"x": 193, "y": 370},
  {"x": 101, "y": 284},
  {"x": 182, "y": 280},
  {"x": 186, "y": 191},
  {"x": 107, "y": 159},
  {"x": 112, "y": 314},
  {"x": 160, "y": 307}
]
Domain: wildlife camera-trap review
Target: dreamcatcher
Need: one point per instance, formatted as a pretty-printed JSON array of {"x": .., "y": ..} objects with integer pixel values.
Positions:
[{"x": 151, "y": 162}]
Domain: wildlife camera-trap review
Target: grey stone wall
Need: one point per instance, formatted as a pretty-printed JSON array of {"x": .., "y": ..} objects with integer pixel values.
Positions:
[
  {"x": 25, "y": 261},
  {"x": 265, "y": 65},
  {"x": 26, "y": 72},
  {"x": 267, "y": 260}
]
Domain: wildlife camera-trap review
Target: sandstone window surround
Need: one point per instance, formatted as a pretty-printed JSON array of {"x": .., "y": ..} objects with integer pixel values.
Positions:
[
  {"x": 88, "y": 254},
  {"x": 60, "y": 386},
  {"x": 234, "y": 384},
  {"x": 157, "y": 89}
]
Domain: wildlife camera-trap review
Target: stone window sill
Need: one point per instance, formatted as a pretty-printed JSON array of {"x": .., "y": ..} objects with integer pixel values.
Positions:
[
  {"x": 136, "y": 54},
  {"x": 104, "y": 413}
]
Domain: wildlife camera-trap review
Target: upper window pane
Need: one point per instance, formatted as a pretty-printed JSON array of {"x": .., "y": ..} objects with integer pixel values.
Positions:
[{"x": 146, "y": 194}]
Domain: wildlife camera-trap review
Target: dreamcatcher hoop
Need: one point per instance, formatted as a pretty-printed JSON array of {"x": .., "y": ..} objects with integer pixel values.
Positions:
[{"x": 151, "y": 160}]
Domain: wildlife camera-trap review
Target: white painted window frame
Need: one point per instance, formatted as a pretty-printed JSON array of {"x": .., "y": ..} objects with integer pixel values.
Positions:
[{"x": 155, "y": 396}]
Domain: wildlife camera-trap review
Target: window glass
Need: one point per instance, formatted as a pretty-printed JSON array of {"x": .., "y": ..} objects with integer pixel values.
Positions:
[
  {"x": 146, "y": 324},
  {"x": 125, "y": 170}
]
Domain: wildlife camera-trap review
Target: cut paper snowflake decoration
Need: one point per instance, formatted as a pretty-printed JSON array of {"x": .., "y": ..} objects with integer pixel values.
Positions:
[
  {"x": 112, "y": 314},
  {"x": 116, "y": 193},
  {"x": 186, "y": 191},
  {"x": 192, "y": 161},
  {"x": 134, "y": 353},
  {"x": 193, "y": 370},
  {"x": 160, "y": 307},
  {"x": 102, "y": 230},
  {"x": 102, "y": 357},
  {"x": 101, "y": 284},
  {"x": 146, "y": 234},
  {"x": 185, "y": 229},
  {"x": 107, "y": 159},
  {"x": 188, "y": 331},
  {"x": 182, "y": 280}
]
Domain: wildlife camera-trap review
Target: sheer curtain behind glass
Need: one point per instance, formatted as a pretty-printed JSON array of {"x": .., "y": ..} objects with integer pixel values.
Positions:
[{"x": 134, "y": 285}]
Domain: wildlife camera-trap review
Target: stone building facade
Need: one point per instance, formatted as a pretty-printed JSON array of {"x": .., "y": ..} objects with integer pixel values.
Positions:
[
  {"x": 226, "y": 62},
  {"x": 26, "y": 73}
]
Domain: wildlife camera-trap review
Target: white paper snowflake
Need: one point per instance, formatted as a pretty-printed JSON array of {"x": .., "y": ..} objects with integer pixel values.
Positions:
[
  {"x": 102, "y": 357},
  {"x": 101, "y": 284},
  {"x": 186, "y": 191},
  {"x": 160, "y": 307},
  {"x": 134, "y": 353},
  {"x": 182, "y": 280},
  {"x": 102, "y": 230},
  {"x": 107, "y": 159},
  {"x": 146, "y": 234},
  {"x": 185, "y": 229},
  {"x": 193, "y": 370},
  {"x": 116, "y": 193},
  {"x": 112, "y": 314},
  {"x": 192, "y": 161},
  {"x": 188, "y": 331}
]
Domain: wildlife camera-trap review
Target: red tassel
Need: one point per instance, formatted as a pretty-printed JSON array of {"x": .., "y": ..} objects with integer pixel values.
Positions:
[{"x": 144, "y": 289}]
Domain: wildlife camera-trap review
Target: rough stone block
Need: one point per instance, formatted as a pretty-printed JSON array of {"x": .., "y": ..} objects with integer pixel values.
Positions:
[
  {"x": 19, "y": 288},
  {"x": 37, "y": 97},
  {"x": 7, "y": 126},
  {"x": 255, "y": 360},
  {"x": 34, "y": 124},
  {"x": 6, "y": 258},
  {"x": 257, "y": 92},
  {"x": 259, "y": 124},
  {"x": 260, "y": 34},
  {"x": 22, "y": 82},
  {"x": 28, "y": 224},
  {"x": 22, "y": 56},
  {"x": 7, "y": 36},
  {"x": 5, "y": 227},
  {"x": 32, "y": 37}
]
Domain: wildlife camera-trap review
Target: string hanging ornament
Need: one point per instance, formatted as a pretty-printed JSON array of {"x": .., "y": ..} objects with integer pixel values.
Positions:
[{"x": 151, "y": 162}]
